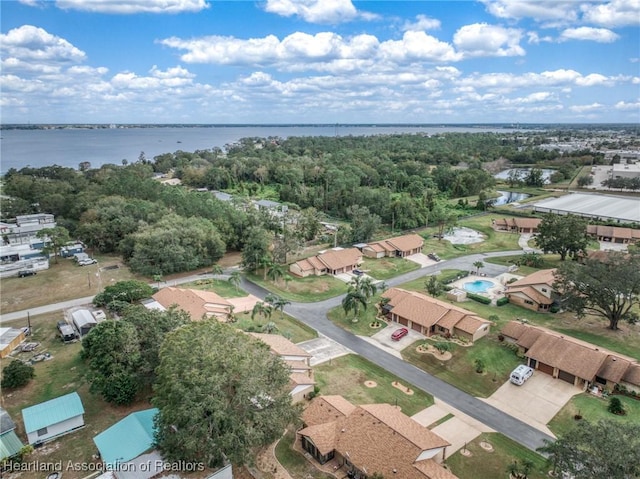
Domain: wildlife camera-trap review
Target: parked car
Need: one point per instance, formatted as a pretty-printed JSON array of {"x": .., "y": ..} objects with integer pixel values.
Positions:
[
  {"x": 520, "y": 374},
  {"x": 434, "y": 257},
  {"x": 67, "y": 333},
  {"x": 398, "y": 334},
  {"x": 358, "y": 272},
  {"x": 26, "y": 272},
  {"x": 87, "y": 262}
]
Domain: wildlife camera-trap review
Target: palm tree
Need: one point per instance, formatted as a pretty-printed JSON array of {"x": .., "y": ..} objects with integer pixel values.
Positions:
[
  {"x": 478, "y": 265},
  {"x": 265, "y": 263},
  {"x": 364, "y": 286},
  {"x": 235, "y": 279},
  {"x": 353, "y": 301},
  {"x": 216, "y": 269},
  {"x": 279, "y": 304},
  {"x": 275, "y": 272},
  {"x": 261, "y": 309},
  {"x": 270, "y": 328}
]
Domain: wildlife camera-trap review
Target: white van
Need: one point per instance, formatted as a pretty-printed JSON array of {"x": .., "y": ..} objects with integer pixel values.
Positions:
[{"x": 520, "y": 374}]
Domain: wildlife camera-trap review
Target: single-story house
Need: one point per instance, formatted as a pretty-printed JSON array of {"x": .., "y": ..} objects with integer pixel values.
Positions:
[
  {"x": 197, "y": 303},
  {"x": 534, "y": 292},
  {"x": 577, "y": 362},
  {"x": 298, "y": 361},
  {"x": 272, "y": 207},
  {"x": 400, "y": 246},
  {"x": 127, "y": 439},
  {"x": 10, "y": 443},
  {"x": 368, "y": 439},
  {"x": 517, "y": 225},
  {"x": 613, "y": 234},
  {"x": 430, "y": 316},
  {"x": 53, "y": 418},
  {"x": 333, "y": 261},
  {"x": 10, "y": 339},
  {"x": 83, "y": 321}
]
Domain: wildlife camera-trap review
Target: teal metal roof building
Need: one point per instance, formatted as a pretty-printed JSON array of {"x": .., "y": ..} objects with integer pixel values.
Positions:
[
  {"x": 128, "y": 438},
  {"x": 53, "y": 418}
]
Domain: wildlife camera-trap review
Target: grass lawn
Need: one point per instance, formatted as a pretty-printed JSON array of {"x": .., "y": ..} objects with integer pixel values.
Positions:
[
  {"x": 592, "y": 409},
  {"x": 492, "y": 465},
  {"x": 222, "y": 287},
  {"x": 494, "y": 241},
  {"x": 346, "y": 376},
  {"x": 287, "y": 326},
  {"x": 365, "y": 318},
  {"x": 63, "y": 281},
  {"x": 460, "y": 369},
  {"x": 303, "y": 290},
  {"x": 385, "y": 268}
]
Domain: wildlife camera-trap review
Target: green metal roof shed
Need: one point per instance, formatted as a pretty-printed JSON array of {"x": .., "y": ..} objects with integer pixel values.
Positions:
[
  {"x": 53, "y": 418},
  {"x": 10, "y": 445},
  {"x": 128, "y": 438}
]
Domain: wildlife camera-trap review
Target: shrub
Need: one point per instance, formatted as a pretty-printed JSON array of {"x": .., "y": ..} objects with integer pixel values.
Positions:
[
  {"x": 554, "y": 308},
  {"x": 478, "y": 298},
  {"x": 616, "y": 407},
  {"x": 17, "y": 374},
  {"x": 479, "y": 364},
  {"x": 442, "y": 346},
  {"x": 502, "y": 301}
]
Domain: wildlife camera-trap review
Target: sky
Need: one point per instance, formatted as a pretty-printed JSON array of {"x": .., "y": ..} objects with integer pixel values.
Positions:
[{"x": 320, "y": 61}]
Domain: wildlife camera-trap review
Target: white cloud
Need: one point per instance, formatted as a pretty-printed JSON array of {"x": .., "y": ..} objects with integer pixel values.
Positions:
[
  {"x": 534, "y": 38},
  {"x": 33, "y": 44},
  {"x": 422, "y": 23},
  {"x": 417, "y": 46},
  {"x": 622, "y": 105},
  {"x": 594, "y": 79},
  {"x": 543, "y": 11},
  {"x": 600, "y": 35},
  {"x": 134, "y": 6},
  {"x": 482, "y": 40},
  {"x": 617, "y": 13},
  {"x": 314, "y": 11},
  {"x": 586, "y": 108}
]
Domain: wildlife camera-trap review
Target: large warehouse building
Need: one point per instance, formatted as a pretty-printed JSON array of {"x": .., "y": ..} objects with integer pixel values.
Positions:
[{"x": 600, "y": 207}]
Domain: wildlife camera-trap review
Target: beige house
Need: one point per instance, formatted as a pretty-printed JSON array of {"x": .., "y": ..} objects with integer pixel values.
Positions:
[
  {"x": 577, "y": 362},
  {"x": 369, "y": 439},
  {"x": 400, "y": 246},
  {"x": 517, "y": 225},
  {"x": 298, "y": 360},
  {"x": 613, "y": 234},
  {"x": 10, "y": 339},
  {"x": 334, "y": 261},
  {"x": 430, "y": 316},
  {"x": 203, "y": 304},
  {"x": 534, "y": 292}
]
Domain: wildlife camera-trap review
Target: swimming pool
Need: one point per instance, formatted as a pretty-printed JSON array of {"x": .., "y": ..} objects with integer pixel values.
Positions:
[{"x": 478, "y": 286}]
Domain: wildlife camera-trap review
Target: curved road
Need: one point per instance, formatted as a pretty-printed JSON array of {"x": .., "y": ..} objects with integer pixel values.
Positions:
[{"x": 315, "y": 316}]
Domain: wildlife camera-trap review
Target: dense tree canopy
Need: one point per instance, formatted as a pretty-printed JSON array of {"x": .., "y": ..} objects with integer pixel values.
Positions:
[
  {"x": 562, "y": 234},
  {"x": 17, "y": 374},
  {"x": 127, "y": 291},
  {"x": 220, "y": 393},
  {"x": 605, "y": 449},
  {"x": 609, "y": 289}
]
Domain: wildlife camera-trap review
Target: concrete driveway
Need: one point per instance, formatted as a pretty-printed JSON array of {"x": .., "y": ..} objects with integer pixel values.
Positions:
[
  {"x": 323, "y": 349},
  {"x": 422, "y": 259},
  {"x": 536, "y": 402},
  {"x": 384, "y": 337}
]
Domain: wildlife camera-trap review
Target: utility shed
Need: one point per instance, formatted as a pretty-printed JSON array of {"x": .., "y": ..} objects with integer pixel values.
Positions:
[
  {"x": 10, "y": 338},
  {"x": 127, "y": 439},
  {"x": 50, "y": 419},
  {"x": 83, "y": 321},
  {"x": 10, "y": 444}
]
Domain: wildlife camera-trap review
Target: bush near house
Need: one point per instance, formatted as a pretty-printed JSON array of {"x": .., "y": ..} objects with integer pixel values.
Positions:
[
  {"x": 502, "y": 301},
  {"x": 478, "y": 298}
]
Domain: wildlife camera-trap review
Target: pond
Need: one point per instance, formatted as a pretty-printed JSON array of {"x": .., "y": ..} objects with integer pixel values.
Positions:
[
  {"x": 507, "y": 197},
  {"x": 523, "y": 172}
]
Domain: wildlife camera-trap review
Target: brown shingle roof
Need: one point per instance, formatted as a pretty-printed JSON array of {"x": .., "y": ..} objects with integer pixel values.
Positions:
[
  {"x": 433, "y": 470},
  {"x": 527, "y": 222},
  {"x": 544, "y": 276},
  {"x": 613, "y": 369},
  {"x": 632, "y": 374},
  {"x": 195, "y": 302},
  {"x": 326, "y": 409},
  {"x": 406, "y": 242},
  {"x": 300, "y": 379},
  {"x": 281, "y": 345},
  {"x": 531, "y": 293},
  {"x": 338, "y": 259},
  {"x": 514, "y": 329},
  {"x": 322, "y": 435}
]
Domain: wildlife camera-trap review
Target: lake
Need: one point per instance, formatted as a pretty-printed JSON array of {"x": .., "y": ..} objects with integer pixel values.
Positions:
[
  {"x": 523, "y": 172},
  {"x": 70, "y": 146},
  {"x": 507, "y": 197}
]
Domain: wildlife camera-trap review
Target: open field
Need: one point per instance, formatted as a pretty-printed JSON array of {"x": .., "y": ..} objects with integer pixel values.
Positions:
[
  {"x": 592, "y": 409},
  {"x": 61, "y": 282},
  {"x": 483, "y": 464},
  {"x": 365, "y": 318},
  {"x": 385, "y": 268},
  {"x": 304, "y": 290},
  {"x": 346, "y": 376}
]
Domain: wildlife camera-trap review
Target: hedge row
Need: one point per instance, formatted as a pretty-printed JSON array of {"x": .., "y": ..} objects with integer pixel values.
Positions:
[
  {"x": 478, "y": 298},
  {"x": 502, "y": 301}
]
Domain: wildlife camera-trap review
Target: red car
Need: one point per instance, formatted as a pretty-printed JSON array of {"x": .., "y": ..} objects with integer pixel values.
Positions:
[{"x": 398, "y": 334}]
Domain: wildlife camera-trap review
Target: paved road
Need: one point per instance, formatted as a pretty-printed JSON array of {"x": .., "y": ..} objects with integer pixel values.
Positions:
[{"x": 315, "y": 315}]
